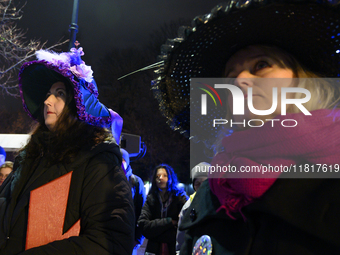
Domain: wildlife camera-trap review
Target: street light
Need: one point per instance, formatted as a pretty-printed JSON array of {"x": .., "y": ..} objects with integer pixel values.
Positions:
[
  {"x": 74, "y": 27},
  {"x": 132, "y": 143}
]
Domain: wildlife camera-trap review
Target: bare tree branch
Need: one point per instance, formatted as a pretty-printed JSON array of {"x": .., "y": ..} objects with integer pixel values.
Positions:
[
  {"x": 29, "y": 56},
  {"x": 14, "y": 49}
]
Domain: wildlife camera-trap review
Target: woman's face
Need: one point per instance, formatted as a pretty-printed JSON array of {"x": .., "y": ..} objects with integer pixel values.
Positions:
[
  {"x": 162, "y": 178},
  {"x": 54, "y": 104},
  {"x": 4, "y": 172},
  {"x": 198, "y": 182},
  {"x": 247, "y": 66}
]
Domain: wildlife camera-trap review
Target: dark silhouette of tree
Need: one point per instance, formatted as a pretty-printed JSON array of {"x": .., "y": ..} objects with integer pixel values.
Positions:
[
  {"x": 15, "y": 123},
  {"x": 14, "y": 49},
  {"x": 160, "y": 36}
]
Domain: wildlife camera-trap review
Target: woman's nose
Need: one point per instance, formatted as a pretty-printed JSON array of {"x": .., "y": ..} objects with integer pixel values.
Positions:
[
  {"x": 49, "y": 100},
  {"x": 244, "y": 79}
]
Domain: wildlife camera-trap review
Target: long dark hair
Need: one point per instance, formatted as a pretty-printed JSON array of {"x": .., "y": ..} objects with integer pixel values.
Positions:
[
  {"x": 172, "y": 180},
  {"x": 69, "y": 136}
]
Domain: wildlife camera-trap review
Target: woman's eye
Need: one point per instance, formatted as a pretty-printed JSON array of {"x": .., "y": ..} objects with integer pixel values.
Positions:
[
  {"x": 61, "y": 93},
  {"x": 261, "y": 64}
]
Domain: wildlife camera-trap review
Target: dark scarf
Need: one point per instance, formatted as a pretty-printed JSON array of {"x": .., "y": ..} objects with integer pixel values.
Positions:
[
  {"x": 45, "y": 141},
  {"x": 28, "y": 163},
  {"x": 315, "y": 140}
]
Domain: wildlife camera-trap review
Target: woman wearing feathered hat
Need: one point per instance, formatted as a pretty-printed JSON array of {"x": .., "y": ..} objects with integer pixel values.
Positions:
[
  {"x": 252, "y": 41},
  {"x": 59, "y": 92}
]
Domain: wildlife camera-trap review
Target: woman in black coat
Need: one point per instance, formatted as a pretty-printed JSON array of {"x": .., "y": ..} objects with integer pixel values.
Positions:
[
  {"x": 159, "y": 218},
  {"x": 70, "y": 139}
]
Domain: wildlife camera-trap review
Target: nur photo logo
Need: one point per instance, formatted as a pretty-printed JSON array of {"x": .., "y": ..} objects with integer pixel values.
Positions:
[
  {"x": 204, "y": 97},
  {"x": 266, "y": 98}
]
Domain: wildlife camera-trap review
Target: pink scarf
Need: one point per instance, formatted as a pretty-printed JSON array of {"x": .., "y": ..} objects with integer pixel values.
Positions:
[{"x": 316, "y": 140}]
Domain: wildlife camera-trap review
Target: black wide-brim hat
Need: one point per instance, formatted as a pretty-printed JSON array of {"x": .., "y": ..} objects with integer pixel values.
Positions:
[
  {"x": 37, "y": 77},
  {"x": 309, "y": 30}
]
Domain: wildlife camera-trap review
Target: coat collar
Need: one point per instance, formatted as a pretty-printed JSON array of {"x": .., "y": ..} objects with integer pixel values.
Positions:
[{"x": 203, "y": 206}]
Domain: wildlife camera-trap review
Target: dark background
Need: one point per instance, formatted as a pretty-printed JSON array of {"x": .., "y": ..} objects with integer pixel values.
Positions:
[{"x": 107, "y": 24}]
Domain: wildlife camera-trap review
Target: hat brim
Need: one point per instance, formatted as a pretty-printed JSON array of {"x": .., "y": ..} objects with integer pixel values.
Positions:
[
  {"x": 37, "y": 77},
  {"x": 35, "y": 82},
  {"x": 309, "y": 31}
]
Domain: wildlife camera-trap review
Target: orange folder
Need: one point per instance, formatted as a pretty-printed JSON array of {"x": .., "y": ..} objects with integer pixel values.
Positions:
[{"x": 46, "y": 213}]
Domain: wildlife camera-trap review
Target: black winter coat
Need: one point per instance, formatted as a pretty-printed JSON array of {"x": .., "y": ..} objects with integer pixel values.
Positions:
[
  {"x": 139, "y": 198},
  {"x": 160, "y": 230},
  {"x": 295, "y": 216},
  {"x": 99, "y": 195}
]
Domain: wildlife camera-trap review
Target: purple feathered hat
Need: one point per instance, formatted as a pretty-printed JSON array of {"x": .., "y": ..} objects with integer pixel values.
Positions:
[{"x": 36, "y": 78}]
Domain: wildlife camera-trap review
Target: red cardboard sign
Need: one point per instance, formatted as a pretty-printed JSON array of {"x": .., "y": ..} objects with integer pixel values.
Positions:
[{"x": 46, "y": 213}]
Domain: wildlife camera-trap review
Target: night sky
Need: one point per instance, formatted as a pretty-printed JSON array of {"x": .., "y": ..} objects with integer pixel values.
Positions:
[{"x": 104, "y": 24}]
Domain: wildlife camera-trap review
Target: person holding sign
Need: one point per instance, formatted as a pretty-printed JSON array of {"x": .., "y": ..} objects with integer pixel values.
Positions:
[{"x": 72, "y": 152}]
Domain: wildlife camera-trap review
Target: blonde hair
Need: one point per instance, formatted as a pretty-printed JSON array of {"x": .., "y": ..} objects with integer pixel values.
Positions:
[
  {"x": 324, "y": 95},
  {"x": 8, "y": 164}
]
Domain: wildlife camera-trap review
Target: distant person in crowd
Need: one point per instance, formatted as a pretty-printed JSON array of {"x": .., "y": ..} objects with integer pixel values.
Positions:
[
  {"x": 159, "y": 217},
  {"x": 2, "y": 155},
  {"x": 5, "y": 169},
  {"x": 72, "y": 136},
  {"x": 198, "y": 175},
  {"x": 138, "y": 196}
]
